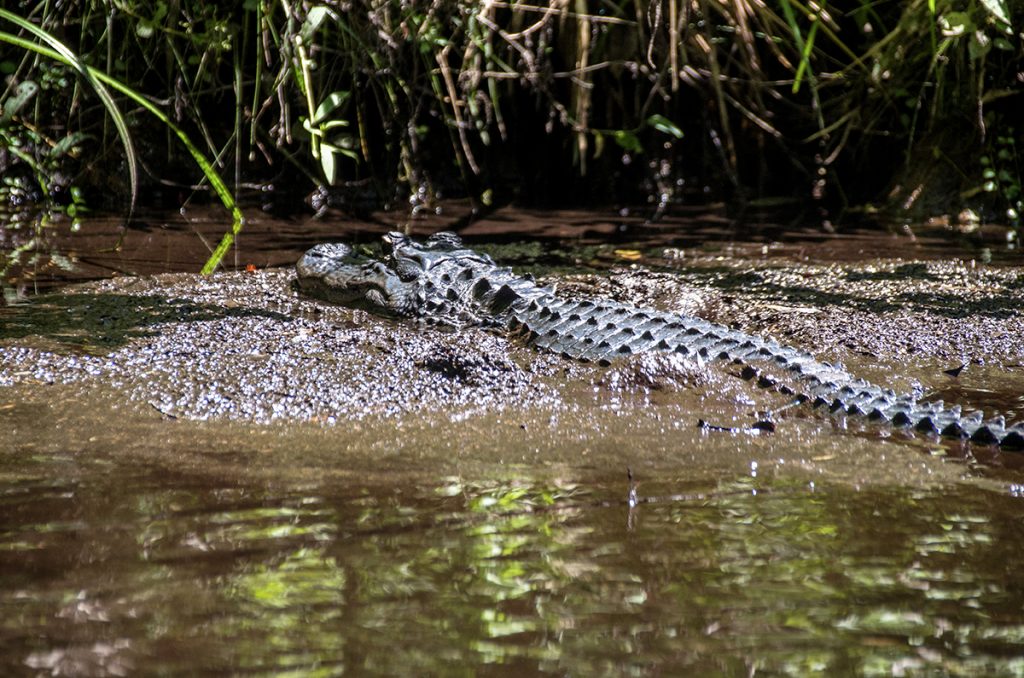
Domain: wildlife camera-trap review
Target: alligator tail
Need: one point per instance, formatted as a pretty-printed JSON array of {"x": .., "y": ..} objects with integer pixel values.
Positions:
[{"x": 599, "y": 331}]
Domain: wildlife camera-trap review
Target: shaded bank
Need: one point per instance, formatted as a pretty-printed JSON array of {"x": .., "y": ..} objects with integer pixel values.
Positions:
[{"x": 566, "y": 239}]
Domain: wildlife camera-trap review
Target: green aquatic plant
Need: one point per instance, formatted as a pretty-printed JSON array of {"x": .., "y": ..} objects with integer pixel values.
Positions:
[
  {"x": 100, "y": 82},
  {"x": 59, "y": 52},
  {"x": 393, "y": 103},
  {"x": 1001, "y": 174}
]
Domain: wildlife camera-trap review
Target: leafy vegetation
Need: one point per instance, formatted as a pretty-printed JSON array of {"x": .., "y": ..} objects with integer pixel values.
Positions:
[{"x": 831, "y": 105}]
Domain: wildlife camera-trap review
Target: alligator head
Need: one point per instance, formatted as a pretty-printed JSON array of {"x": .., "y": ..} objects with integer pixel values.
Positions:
[
  {"x": 411, "y": 279},
  {"x": 336, "y": 273}
]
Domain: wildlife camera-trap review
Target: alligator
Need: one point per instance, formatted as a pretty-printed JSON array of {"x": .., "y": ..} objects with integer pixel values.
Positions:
[{"x": 442, "y": 282}]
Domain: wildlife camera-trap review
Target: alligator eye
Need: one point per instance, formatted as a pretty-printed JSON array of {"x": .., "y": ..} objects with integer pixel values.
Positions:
[
  {"x": 393, "y": 241},
  {"x": 445, "y": 239}
]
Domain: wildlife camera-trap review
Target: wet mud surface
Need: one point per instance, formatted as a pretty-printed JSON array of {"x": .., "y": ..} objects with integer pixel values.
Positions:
[
  {"x": 158, "y": 242},
  {"x": 215, "y": 475},
  {"x": 248, "y": 347}
]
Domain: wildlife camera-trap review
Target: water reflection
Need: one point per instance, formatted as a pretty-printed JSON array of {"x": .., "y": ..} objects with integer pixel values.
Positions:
[{"x": 511, "y": 574}]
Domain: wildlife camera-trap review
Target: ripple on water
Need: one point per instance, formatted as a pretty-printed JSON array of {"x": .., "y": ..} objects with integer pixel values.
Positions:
[{"x": 541, "y": 575}]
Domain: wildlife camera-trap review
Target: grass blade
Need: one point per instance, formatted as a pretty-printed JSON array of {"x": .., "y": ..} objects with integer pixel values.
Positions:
[
  {"x": 98, "y": 79},
  {"x": 63, "y": 54}
]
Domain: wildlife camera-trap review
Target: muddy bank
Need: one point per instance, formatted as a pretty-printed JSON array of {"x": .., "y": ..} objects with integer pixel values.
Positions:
[
  {"x": 891, "y": 309},
  {"x": 906, "y": 324},
  {"x": 246, "y": 347}
]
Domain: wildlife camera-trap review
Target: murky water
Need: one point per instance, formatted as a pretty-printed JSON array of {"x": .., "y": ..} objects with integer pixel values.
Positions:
[
  {"x": 471, "y": 538},
  {"x": 211, "y": 550}
]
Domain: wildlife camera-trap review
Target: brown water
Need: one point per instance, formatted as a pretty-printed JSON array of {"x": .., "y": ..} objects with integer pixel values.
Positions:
[
  {"x": 161, "y": 242},
  {"x": 500, "y": 540},
  {"x": 215, "y": 549}
]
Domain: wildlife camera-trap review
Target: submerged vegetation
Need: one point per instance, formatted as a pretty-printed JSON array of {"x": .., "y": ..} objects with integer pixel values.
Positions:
[{"x": 906, "y": 105}]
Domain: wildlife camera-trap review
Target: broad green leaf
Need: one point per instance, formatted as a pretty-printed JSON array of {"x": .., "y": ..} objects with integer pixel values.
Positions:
[
  {"x": 979, "y": 45},
  {"x": 69, "y": 142},
  {"x": 340, "y": 150},
  {"x": 314, "y": 18},
  {"x": 628, "y": 141},
  {"x": 663, "y": 124},
  {"x": 998, "y": 9},
  {"x": 955, "y": 24},
  {"x": 23, "y": 93},
  {"x": 310, "y": 129},
  {"x": 327, "y": 163},
  {"x": 160, "y": 13},
  {"x": 330, "y": 103}
]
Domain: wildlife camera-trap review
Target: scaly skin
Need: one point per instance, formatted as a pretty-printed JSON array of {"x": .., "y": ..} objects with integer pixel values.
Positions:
[{"x": 440, "y": 281}]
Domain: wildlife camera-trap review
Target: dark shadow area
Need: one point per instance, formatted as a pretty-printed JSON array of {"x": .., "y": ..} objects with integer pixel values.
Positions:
[
  {"x": 914, "y": 271},
  {"x": 948, "y": 305},
  {"x": 100, "y": 322}
]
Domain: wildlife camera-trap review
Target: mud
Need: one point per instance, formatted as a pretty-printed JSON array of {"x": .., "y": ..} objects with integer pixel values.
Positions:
[
  {"x": 162, "y": 242},
  {"x": 247, "y": 347},
  {"x": 898, "y": 323},
  {"x": 948, "y": 310}
]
